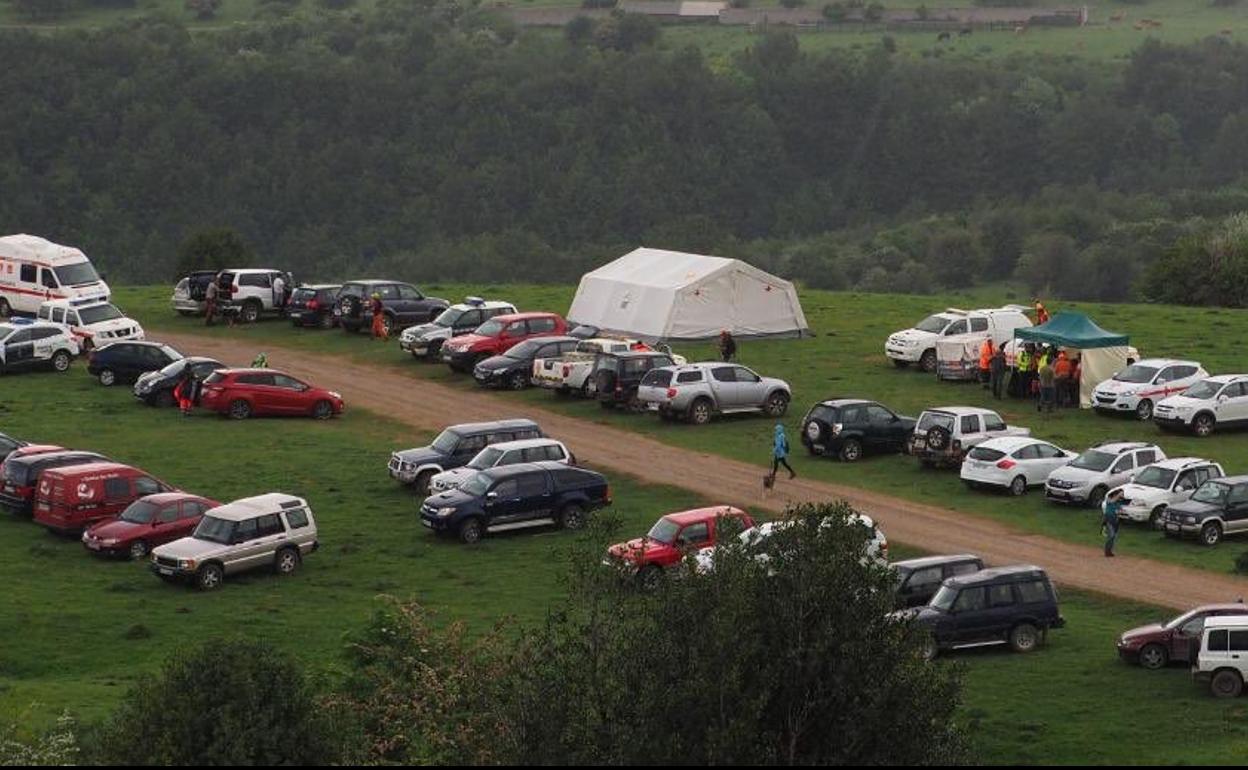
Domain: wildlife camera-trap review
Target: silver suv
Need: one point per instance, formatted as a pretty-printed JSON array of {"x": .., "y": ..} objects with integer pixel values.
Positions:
[
  {"x": 698, "y": 392},
  {"x": 274, "y": 530},
  {"x": 1101, "y": 468}
]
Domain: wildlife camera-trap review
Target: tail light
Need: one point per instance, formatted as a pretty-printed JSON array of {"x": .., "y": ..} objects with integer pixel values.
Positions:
[
  {"x": 671, "y": 393},
  {"x": 1006, "y": 464},
  {"x": 607, "y": 494},
  {"x": 314, "y": 305}
]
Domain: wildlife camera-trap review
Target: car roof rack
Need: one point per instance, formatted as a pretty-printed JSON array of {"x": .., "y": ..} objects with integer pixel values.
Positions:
[{"x": 1120, "y": 441}]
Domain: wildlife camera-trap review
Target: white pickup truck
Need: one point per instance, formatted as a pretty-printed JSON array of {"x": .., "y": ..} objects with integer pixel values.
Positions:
[{"x": 570, "y": 373}]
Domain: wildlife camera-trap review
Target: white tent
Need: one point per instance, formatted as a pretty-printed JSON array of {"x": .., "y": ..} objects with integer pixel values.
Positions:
[{"x": 654, "y": 294}]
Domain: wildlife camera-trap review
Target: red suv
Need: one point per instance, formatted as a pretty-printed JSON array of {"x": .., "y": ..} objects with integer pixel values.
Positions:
[
  {"x": 73, "y": 498},
  {"x": 498, "y": 335},
  {"x": 243, "y": 393},
  {"x": 148, "y": 522},
  {"x": 671, "y": 538}
]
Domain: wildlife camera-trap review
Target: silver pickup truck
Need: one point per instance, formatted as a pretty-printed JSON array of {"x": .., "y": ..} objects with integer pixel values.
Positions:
[{"x": 698, "y": 392}]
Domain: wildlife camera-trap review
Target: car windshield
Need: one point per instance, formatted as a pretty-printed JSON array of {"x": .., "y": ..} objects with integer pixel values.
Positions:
[
  {"x": 490, "y": 328},
  {"x": 5, "y": 331},
  {"x": 72, "y": 275},
  {"x": 1093, "y": 460},
  {"x": 449, "y": 316},
  {"x": 446, "y": 441},
  {"x": 664, "y": 531},
  {"x": 170, "y": 352},
  {"x": 525, "y": 350},
  {"x": 140, "y": 512},
  {"x": 1136, "y": 373},
  {"x": 1204, "y": 390},
  {"x": 97, "y": 313},
  {"x": 1180, "y": 620},
  {"x": 1212, "y": 492},
  {"x": 174, "y": 369},
  {"x": 486, "y": 458},
  {"x": 931, "y": 420},
  {"x": 933, "y": 323},
  {"x": 214, "y": 530},
  {"x": 944, "y": 598},
  {"x": 1153, "y": 476},
  {"x": 476, "y": 485}
]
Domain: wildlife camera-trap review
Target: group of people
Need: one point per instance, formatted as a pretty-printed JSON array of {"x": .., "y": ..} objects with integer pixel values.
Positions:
[{"x": 1042, "y": 372}]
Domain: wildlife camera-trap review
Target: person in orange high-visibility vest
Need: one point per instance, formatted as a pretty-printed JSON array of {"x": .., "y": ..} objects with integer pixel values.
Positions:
[
  {"x": 985, "y": 360},
  {"x": 1042, "y": 315},
  {"x": 379, "y": 318},
  {"x": 1062, "y": 371}
]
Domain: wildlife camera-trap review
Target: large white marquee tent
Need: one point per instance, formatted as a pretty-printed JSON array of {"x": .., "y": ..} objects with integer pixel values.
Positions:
[{"x": 653, "y": 294}]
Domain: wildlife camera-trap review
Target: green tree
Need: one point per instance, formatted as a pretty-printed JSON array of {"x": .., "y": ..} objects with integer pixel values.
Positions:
[
  {"x": 955, "y": 258},
  {"x": 212, "y": 249},
  {"x": 1210, "y": 268},
  {"x": 42, "y": 10},
  {"x": 1047, "y": 262},
  {"x": 579, "y": 31}
]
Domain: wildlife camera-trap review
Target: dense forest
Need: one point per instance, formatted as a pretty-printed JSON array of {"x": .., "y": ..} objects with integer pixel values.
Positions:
[{"x": 435, "y": 141}]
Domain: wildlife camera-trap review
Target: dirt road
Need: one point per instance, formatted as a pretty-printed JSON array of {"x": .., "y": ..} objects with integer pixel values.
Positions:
[{"x": 429, "y": 406}]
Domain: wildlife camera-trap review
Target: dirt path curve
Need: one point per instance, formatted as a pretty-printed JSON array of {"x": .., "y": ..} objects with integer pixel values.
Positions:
[{"x": 430, "y": 406}]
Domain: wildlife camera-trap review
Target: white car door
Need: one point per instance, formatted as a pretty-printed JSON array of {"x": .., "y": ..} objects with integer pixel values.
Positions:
[
  {"x": 1233, "y": 403},
  {"x": 1041, "y": 460},
  {"x": 1120, "y": 471},
  {"x": 750, "y": 388}
]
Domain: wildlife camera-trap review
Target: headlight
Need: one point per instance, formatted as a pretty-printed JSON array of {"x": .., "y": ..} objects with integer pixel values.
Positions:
[
  {"x": 186, "y": 564},
  {"x": 1189, "y": 519},
  {"x": 335, "y": 394},
  {"x": 444, "y": 512},
  {"x": 86, "y": 536}
]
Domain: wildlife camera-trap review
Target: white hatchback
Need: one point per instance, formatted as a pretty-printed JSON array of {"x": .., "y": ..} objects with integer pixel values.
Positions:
[
  {"x": 1013, "y": 463},
  {"x": 530, "y": 450},
  {"x": 1141, "y": 385}
]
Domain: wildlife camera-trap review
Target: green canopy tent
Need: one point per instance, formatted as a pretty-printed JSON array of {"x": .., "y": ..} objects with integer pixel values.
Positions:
[{"x": 1101, "y": 353}]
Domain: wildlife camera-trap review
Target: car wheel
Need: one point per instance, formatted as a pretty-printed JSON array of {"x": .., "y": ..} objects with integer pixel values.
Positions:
[
  {"x": 239, "y": 409},
  {"x": 1024, "y": 637},
  {"x": 1018, "y": 486},
  {"x": 650, "y": 577},
  {"x": 777, "y": 405},
  {"x": 209, "y": 577},
  {"x": 323, "y": 410},
  {"x": 517, "y": 381},
  {"x": 423, "y": 480},
  {"x": 287, "y": 561},
  {"x": 251, "y": 312},
  {"x": 61, "y": 361},
  {"x": 1096, "y": 496},
  {"x": 1226, "y": 684},
  {"x": 5, "y": 310},
  {"x": 1153, "y": 657},
  {"x": 1202, "y": 426},
  {"x": 927, "y": 362},
  {"x": 572, "y": 517},
  {"x": 1210, "y": 534},
  {"x": 899, "y": 363},
  {"x": 851, "y": 451},
  {"x": 138, "y": 550},
  {"x": 1144, "y": 410},
  {"x": 165, "y": 399},
  {"x": 938, "y": 439},
  {"x": 470, "y": 531},
  {"x": 700, "y": 412},
  {"x": 1154, "y": 518},
  {"x": 108, "y": 378},
  {"x": 387, "y": 324}
]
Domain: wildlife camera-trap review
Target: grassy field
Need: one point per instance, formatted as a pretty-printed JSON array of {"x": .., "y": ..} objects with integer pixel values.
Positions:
[{"x": 846, "y": 359}]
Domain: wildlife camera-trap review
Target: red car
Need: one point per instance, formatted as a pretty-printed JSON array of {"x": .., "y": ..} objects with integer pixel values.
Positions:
[
  {"x": 243, "y": 393},
  {"x": 671, "y": 537},
  {"x": 498, "y": 335},
  {"x": 147, "y": 522},
  {"x": 72, "y": 498},
  {"x": 1154, "y": 646}
]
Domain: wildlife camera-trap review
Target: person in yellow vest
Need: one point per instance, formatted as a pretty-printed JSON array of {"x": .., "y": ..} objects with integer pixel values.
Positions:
[{"x": 1022, "y": 364}]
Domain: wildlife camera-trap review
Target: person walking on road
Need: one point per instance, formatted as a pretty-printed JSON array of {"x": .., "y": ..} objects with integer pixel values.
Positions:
[
  {"x": 780, "y": 454},
  {"x": 1110, "y": 509},
  {"x": 210, "y": 303},
  {"x": 727, "y": 345},
  {"x": 996, "y": 372}
]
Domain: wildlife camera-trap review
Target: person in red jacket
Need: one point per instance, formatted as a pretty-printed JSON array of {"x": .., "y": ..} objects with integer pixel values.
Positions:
[
  {"x": 985, "y": 361},
  {"x": 1042, "y": 314},
  {"x": 379, "y": 316}
]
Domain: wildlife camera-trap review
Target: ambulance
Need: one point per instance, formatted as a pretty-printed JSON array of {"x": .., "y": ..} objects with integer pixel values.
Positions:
[{"x": 34, "y": 270}]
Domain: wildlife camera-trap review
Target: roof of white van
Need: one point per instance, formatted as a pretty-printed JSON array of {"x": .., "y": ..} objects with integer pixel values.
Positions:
[
  {"x": 38, "y": 249},
  {"x": 250, "y": 507},
  {"x": 1226, "y": 621}
]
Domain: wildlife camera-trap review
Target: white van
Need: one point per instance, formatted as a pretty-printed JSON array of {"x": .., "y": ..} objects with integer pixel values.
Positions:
[
  {"x": 34, "y": 270},
  {"x": 1223, "y": 657},
  {"x": 918, "y": 344}
]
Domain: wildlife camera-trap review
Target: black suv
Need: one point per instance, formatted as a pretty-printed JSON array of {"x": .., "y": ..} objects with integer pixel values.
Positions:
[
  {"x": 313, "y": 305},
  {"x": 156, "y": 388},
  {"x": 1219, "y": 507},
  {"x": 126, "y": 361},
  {"x": 22, "y": 473},
  {"x": 8, "y": 444},
  {"x": 1004, "y": 605},
  {"x": 617, "y": 375},
  {"x": 514, "y": 369},
  {"x": 516, "y": 497},
  {"x": 404, "y": 305},
  {"x": 919, "y": 579},
  {"x": 453, "y": 448},
  {"x": 849, "y": 428}
]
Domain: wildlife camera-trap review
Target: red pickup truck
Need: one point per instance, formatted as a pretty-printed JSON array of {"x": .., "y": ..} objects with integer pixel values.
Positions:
[{"x": 671, "y": 538}]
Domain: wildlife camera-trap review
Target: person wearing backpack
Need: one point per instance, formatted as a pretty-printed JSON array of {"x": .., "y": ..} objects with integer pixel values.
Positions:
[
  {"x": 1110, "y": 508},
  {"x": 780, "y": 454}
]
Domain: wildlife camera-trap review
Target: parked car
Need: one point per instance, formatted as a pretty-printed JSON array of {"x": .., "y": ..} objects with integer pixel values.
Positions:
[
  {"x": 673, "y": 537},
  {"x": 455, "y": 447},
  {"x": 26, "y": 344},
  {"x": 271, "y": 530},
  {"x": 513, "y": 369},
  {"x": 943, "y": 436},
  {"x": 1219, "y": 507},
  {"x": 21, "y": 475},
  {"x": 127, "y": 361},
  {"x": 1156, "y": 645},
  {"x": 1014, "y": 463},
  {"x": 425, "y": 340},
  {"x": 72, "y": 498},
  {"x": 93, "y": 322},
  {"x": 313, "y": 305},
  {"x": 516, "y": 497},
  {"x": 1141, "y": 385},
  {"x": 572, "y": 372},
  {"x": 698, "y": 392},
  {"x": 1003, "y": 605},
  {"x": 1163, "y": 484},
  {"x": 8, "y": 445},
  {"x": 403, "y": 305},
  {"x": 1088, "y": 477},
  {"x": 755, "y": 540},
  {"x": 918, "y": 580},
  {"x": 251, "y": 293},
  {"x": 1211, "y": 404},
  {"x": 146, "y": 523},
  {"x": 530, "y": 450},
  {"x": 848, "y": 428},
  {"x": 190, "y": 294},
  {"x": 498, "y": 335},
  {"x": 1222, "y": 659},
  {"x": 617, "y": 377},
  {"x": 243, "y": 393},
  {"x": 156, "y": 388},
  {"x": 917, "y": 345}
]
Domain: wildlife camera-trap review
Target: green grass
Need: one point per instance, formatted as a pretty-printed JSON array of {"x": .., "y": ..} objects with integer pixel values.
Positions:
[{"x": 846, "y": 359}]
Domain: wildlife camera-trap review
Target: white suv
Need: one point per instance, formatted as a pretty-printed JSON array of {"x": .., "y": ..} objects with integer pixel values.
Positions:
[
  {"x": 1213, "y": 402},
  {"x": 1092, "y": 474},
  {"x": 251, "y": 292},
  {"x": 943, "y": 436},
  {"x": 918, "y": 344},
  {"x": 26, "y": 344},
  {"x": 1141, "y": 385},
  {"x": 425, "y": 341},
  {"x": 1163, "y": 484},
  {"x": 95, "y": 322},
  {"x": 529, "y": 450},
  {"x": 1223, "y": 657}
]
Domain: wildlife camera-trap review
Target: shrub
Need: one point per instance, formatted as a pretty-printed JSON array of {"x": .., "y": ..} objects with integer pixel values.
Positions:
[
  {"x": 56, "y": 747},
  {"x": 211, "y": 249},
  {"x": 203, "y": 9},
  {"x": 834, "y": 12},
  {"x": 873, "y": 12}
]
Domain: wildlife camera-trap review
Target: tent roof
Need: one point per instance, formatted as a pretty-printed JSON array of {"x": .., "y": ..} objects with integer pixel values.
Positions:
[
  {"x": 1072, "y": 330},
  {"x": 661, "y": 268}
]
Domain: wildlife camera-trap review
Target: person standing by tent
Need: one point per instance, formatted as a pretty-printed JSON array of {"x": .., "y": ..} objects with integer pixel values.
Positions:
[
  {"x": 210, "y": 303},
  {"x": 1022, "y": 360},
  {"x": 379, "y": 318},
  {"x": 985, "y": 362},
  {"x": 780, "y": 454},
  {"x": 1062, "y": 371},
  {"x": 727, "y": 345},
  {"x": 1110, "y": 509},
  {"x": 1042, "y": 313},
  {"x": 1047, "y": 379},
  {"x": 996, "y": 372}
]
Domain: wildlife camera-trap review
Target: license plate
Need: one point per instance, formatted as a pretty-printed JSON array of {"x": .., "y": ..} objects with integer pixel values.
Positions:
[
  {"x": 426, "y": 523},
  {"x": 93, "y": 546},
  {"x": 166, "y": 570}
]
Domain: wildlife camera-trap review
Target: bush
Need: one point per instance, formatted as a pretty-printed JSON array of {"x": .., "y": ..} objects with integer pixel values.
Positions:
[
  {"x": 834, "y": 12},
  {"x": 41, "y": 10},
  {"x": 873, "y": 12},
  {"x": 56, "y": 747},
  {"x": 203, "y": 9},
  {"x": 211, "y": 249},
  {"x": 579, "y": 31}
]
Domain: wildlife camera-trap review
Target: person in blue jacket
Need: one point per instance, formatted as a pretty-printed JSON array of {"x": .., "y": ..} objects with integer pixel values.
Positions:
[{"x": 780, "y": 453}]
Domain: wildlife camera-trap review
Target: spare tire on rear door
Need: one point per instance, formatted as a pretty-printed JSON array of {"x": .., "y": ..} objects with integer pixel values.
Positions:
[{"x": 938, "y": 439}]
